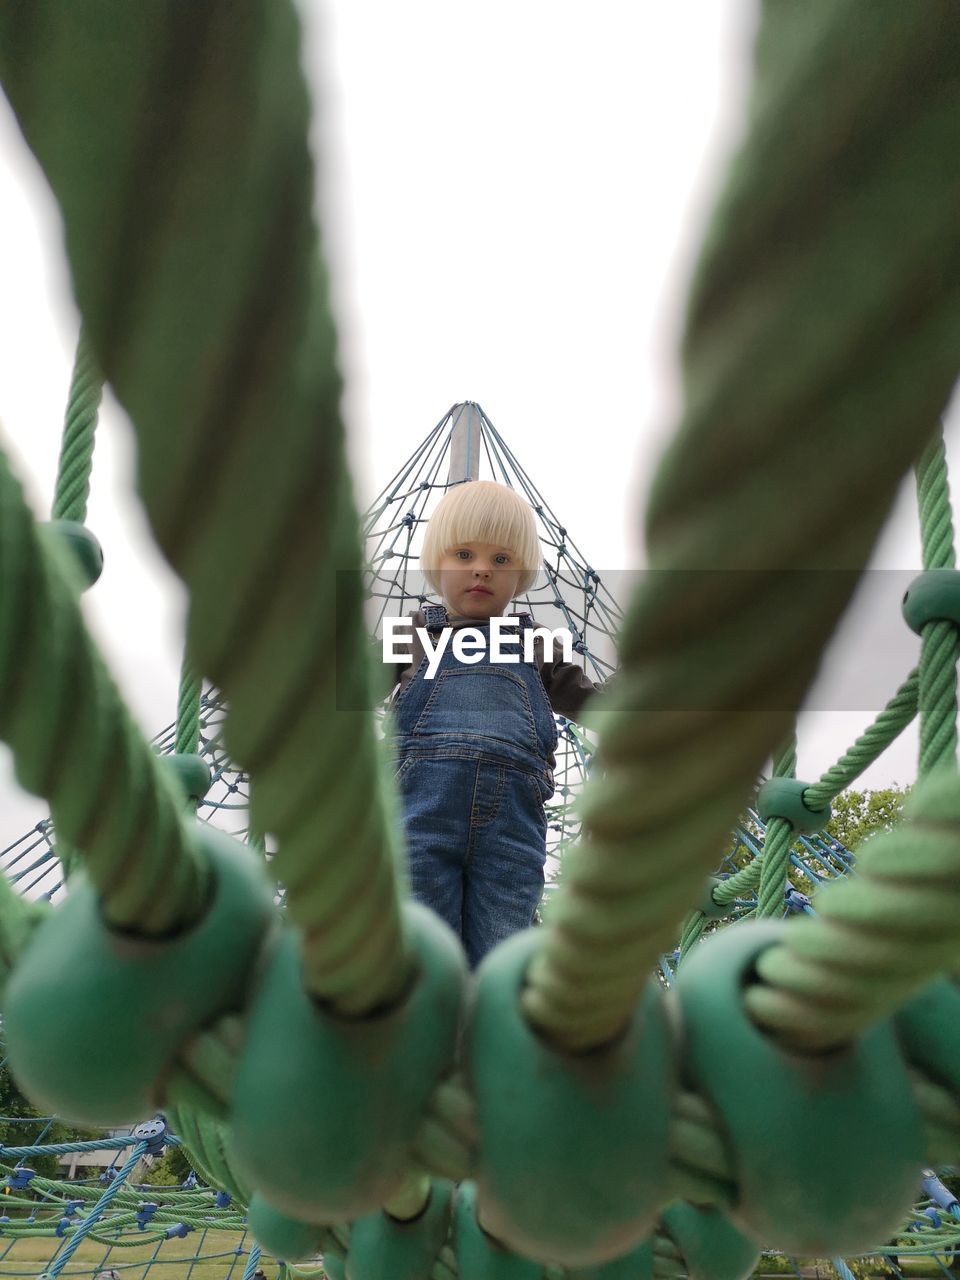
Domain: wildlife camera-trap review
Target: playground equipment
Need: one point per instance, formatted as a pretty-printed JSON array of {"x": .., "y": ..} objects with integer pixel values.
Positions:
[{"x": 318, "y": 1073}]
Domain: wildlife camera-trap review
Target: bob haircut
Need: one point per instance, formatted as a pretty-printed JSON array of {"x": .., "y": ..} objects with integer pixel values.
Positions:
[{"x": 482, "y": 511}]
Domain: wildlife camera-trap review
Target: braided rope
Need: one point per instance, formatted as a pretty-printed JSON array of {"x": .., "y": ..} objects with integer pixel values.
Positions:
[
  {"x": 940, "y": 646},
  {"x": 878, "y": 937},
  {"x": 79, "y": 426},
  {"x": 889, "y": 724},
  {"x": 840, "y": 360},
  {"x": 96, "y": 1212},
  {"x": 75, "y": 743},
  {"x": 188, "y": 710},
  {"x": 869, "y": 746},
  {"x": 778, "y": 841},
  {"x": 202, "y": 358}
]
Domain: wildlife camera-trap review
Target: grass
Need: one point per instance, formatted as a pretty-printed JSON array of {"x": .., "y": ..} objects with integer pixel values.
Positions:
[{"x": 29, "y": 1257}]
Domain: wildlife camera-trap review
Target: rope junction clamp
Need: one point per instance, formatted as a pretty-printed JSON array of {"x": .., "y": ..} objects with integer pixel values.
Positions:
[
  {"x": 280, "y": 1234},
  {"x": 635, "y": 1265},
  {"x": 191, "y": 772},
  {"x": 86, "y": 554},
  {"x": 783, "y": 798},
  {"x": 479, "y": 1256},
  {"x": 707, "y": 903},
  {"x": 712, "y": 1247},
  {"x": 805, "y": 1120},
  {"x": 545, "y": 1115},
  {"x": 929, "y": 1027},
  {"x": 330, "y": 1139},
  {"x": 81, "y": 989},
  {"x": 381, "y": 1246},
  {"x": 933, "y": 596}
]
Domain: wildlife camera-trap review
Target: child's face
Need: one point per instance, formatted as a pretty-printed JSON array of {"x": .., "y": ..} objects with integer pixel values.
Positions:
[{"x": 478, "y": 579}]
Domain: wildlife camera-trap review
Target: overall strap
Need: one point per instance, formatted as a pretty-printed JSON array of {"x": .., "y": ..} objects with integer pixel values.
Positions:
[{"x": 435, "y": 616}]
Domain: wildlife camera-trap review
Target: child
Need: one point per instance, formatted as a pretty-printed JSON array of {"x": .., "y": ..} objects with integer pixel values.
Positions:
[{"x": 475, "y": 742}]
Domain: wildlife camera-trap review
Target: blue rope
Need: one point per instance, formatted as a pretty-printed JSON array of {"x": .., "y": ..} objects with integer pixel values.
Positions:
[
  {"x": 65, "y": 1148},
  {"x": 252, "y": 1263},
  {"x": 93, "y": 1217}
]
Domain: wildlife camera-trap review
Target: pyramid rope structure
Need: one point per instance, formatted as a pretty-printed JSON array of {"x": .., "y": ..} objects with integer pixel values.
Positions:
[
  {"x": 463, "y": 446},
  {"x": 817, "y": 329}
]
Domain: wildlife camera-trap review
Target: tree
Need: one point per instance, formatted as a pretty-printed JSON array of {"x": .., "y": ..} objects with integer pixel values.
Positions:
[
  {"x": 172, "y": 1168},
  {"x": 13, "y": 1103},
  {"x": 859, "y": 814}
]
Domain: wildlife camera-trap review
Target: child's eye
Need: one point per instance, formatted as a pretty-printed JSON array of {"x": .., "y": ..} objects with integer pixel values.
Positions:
[
  {"x": 502, "y": 559},
  {"x": 463, "y": 555}
]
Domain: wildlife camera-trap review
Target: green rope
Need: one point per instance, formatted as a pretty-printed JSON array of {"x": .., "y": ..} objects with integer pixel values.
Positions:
[
  {"x": 940, "y": 645},
  {"x": 75, "y": 743},
  {"x": 73, "y": 480},
  {"x": 871, "y": 744},
  {"x": 195, "y": 263},
  {"x": 891, "y": 722},
  {"x": 76, "y": 449},
  {"x": 187, "y": 736},
  {"x": 836, "y": 349},
  {"x": 878, "y": 936},
  {"x": 778, "y": 840},
  {"x": 204, "y": 1138}
]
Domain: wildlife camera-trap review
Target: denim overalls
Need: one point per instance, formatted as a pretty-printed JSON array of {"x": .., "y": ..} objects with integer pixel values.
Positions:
[{"x": 474, "y": 750}]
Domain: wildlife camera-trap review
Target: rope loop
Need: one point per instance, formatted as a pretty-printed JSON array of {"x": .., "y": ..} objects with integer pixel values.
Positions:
[
  {"x": 711, "y": 1246},
  {"x": 805, "y": 1120},
  {"x": 381, "y": 1246},
  {"x": 324, "y": 1128},
  {"x": 479, "y": 1256},
  {"x": 280, "y": 1234},
  {"x": 132, "y": 1002},
  {"x": 545, "y": 1115}
]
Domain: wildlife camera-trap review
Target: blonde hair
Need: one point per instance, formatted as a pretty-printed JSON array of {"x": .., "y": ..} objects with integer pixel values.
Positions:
[{"x": 482, "y": 511}]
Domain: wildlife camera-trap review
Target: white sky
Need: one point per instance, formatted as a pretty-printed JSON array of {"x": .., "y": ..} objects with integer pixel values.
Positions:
[{"x": 512, "y": 196}]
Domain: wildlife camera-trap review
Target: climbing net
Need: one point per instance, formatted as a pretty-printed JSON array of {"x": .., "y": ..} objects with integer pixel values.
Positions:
[
  {"x": 571, "y": 595},
  {"x": 329, "y": 1071},
  {"x": 116, "y": 1222}
]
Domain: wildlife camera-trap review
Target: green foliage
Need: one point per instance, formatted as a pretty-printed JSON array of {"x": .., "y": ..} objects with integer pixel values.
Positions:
[
  {"x": 859, "y": 814},
  {"x": 171, "y": 1169},
  {"x": 161, "y": 1172},
  {"x": 13, "y": 1103}
]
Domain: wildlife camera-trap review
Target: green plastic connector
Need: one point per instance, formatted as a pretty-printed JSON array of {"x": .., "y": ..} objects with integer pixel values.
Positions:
[
  {"x": 712, "y": 909},
  {"x": 805, "y": 1122},
  {"x": 191, "y": 772},
  {"x": 712, "y": 1247},
  {"x": 95, "y": 1018},
  {"x": 783, "y": 798},
  {"x": 84, "y": 547},
  {"x": 572, "y": 1147},
  {"x": 381, "y": 1246},
  {"x": 324, "y": 1128},
  {"x": 933, "y": 596},
  {"x": 479, "y": 1256},
  {"x": 284, "y": 1237},
  {"x": 929, "y": 1027},
  {"x": 635, "y": 1265},
  {"x": 334, "y": 1264}
]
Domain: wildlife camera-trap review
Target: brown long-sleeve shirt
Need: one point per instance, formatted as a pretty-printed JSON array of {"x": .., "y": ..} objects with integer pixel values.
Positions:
[{"x": 567, "y": 686}]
